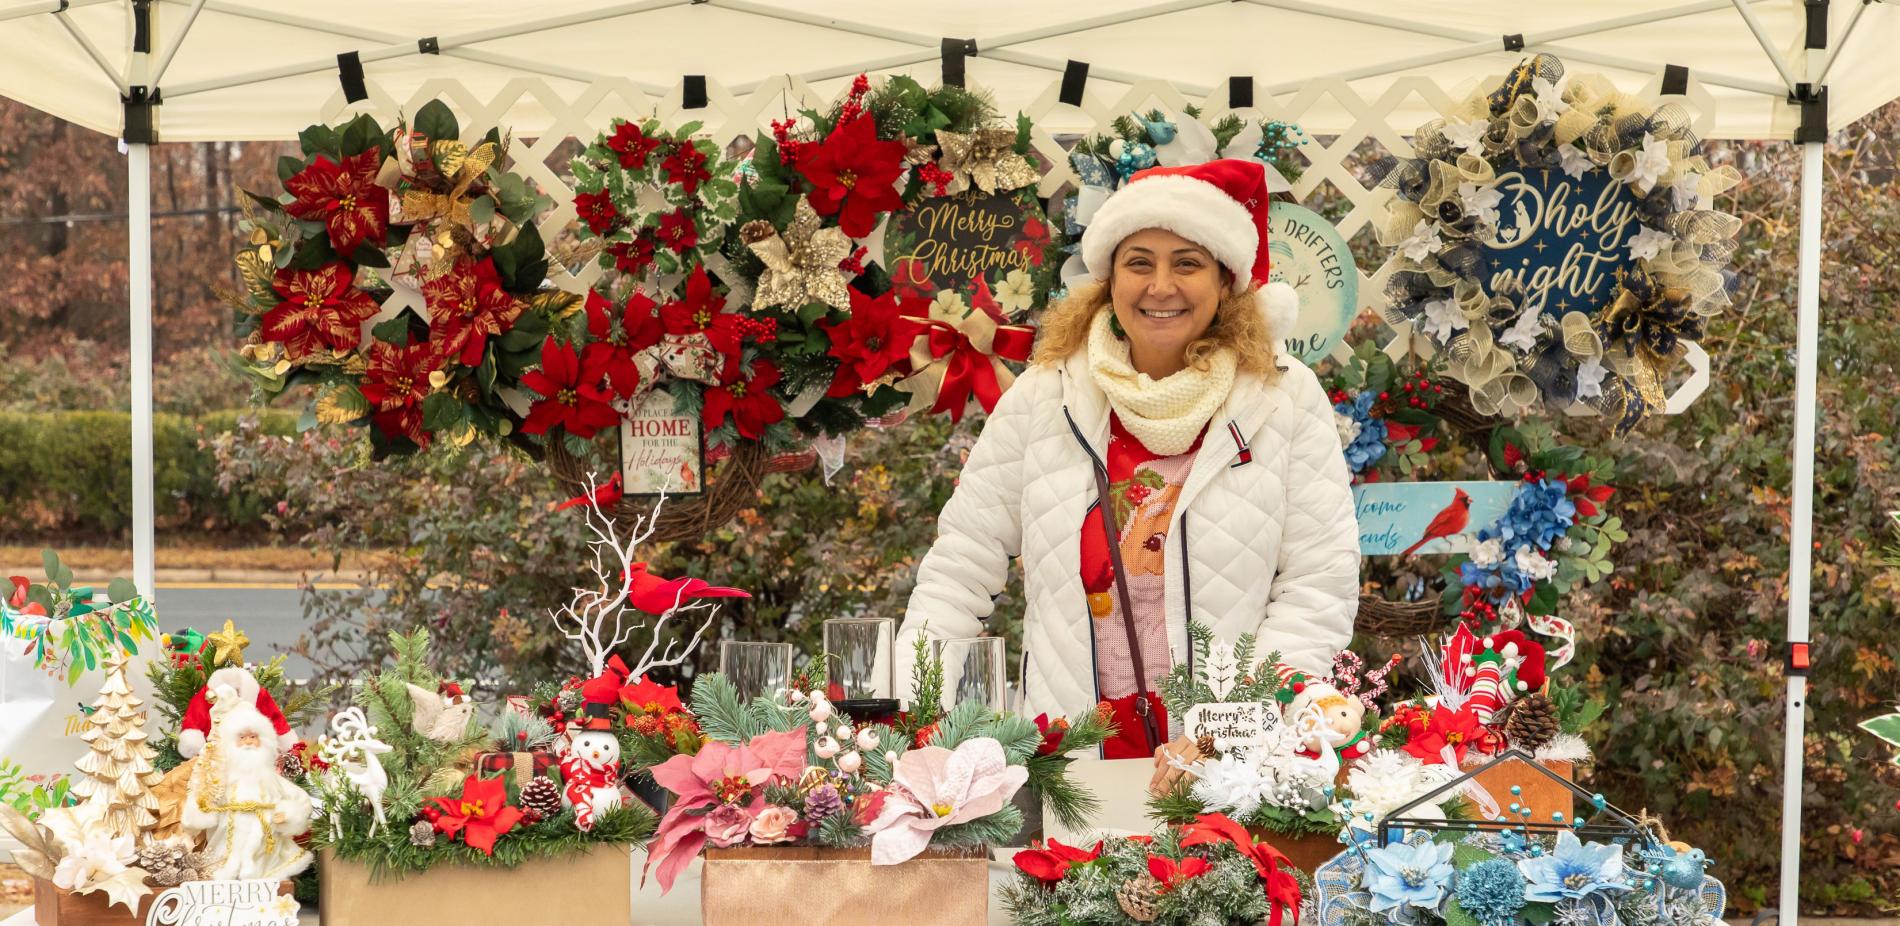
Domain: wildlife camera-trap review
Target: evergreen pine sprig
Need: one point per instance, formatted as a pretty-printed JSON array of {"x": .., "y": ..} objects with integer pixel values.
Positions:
[
  {"x": 927, "y": 682},
  {"x": 722, "y": 716}
]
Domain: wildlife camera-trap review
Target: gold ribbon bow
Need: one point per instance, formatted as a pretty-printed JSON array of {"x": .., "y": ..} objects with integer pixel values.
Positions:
[
  {"x": 960, "y": 353},
  {"x": 801, "y": 265},
  {"x": 985, "y": 159},
  {"x": 1650, "y": 321},
  {"x": 442, "y": 175}
]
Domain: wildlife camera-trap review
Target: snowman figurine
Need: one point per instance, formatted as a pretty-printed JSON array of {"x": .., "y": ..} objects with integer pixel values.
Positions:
[{"x": 590, "y": 768}]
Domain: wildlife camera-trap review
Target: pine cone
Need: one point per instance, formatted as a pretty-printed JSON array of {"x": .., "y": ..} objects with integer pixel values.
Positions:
[
  {"x": 822, "y": 803},
  {"x": 422, "y": 834},
  {"x": 1532, "y": 724},
  {"x": 541, "y": 798},
  {"x": 290, "y": 765},
  {"x": 1206, "y": 745},
  {"x": 1137, "y": 898}
]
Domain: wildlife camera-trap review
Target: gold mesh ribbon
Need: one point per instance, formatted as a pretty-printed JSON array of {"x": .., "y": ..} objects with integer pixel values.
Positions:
[{"x": 444, "y": 175}]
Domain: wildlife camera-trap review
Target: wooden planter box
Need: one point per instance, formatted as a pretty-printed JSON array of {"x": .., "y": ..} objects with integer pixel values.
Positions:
[
  {"x": 55, "y": 907},
  {"x": 601, "y": 894},
  {"x": 809, "y": 886},
  {"x": 1306, "y": 853},
  {"x": 1543, "y": 796}
]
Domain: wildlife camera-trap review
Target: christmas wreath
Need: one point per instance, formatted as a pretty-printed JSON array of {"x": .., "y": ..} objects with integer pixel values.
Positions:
[
  {"x": 428, "y": 243},
  {"x": 1656, "y": 270}
]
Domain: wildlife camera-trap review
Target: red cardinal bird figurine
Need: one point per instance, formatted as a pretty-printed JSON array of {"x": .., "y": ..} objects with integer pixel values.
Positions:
[
  {"x": 655, "y": 595},
  {"x": 603, "y": 497},
  {"x": 1447, "y": 523}
]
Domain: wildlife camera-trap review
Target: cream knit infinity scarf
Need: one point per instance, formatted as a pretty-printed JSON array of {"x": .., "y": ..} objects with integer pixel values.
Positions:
[{"x": 1166, "y": 415}]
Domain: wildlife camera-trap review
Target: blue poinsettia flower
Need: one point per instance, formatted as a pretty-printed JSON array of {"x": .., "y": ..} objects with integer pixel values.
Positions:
[
  {"x": 1540, "y": 512},
  {"x": 1368, "y": 442},
  {"x": 1572, "y": 871},
  {"x": 1401, "y": 875}
]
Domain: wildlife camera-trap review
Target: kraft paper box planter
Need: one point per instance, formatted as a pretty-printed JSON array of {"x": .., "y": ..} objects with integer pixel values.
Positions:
[
  {"x": 55, "y": 907},
  {"x": 810, "y": 886},
  {"x": 1540, "y": 794},
  {"x": 519, "y": 896}
]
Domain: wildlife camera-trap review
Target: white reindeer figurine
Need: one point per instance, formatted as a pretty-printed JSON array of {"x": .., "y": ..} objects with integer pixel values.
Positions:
[{"x": 353, "y": 751}]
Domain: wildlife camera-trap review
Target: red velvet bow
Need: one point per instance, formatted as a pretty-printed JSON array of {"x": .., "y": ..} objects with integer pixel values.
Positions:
[
  {"x": 1283, "y": 892},
  {"x": 970, "y": 369}
]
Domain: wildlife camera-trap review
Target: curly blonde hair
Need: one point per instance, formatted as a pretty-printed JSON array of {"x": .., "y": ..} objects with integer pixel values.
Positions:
[{"x": 1238, "y": 325}]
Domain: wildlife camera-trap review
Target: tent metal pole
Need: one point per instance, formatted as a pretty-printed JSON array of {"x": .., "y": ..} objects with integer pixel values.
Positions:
[
  {"x": 171, "y": 48},
  {"x": 25, "y": 10},
  {"x": 1767, "y": 44},
  {"x": 138, "y": 184},
  {"x": 1835, "y": 46},
  {"x": 93, "y": 52},
  {"x": 1801, "y": 525},
  {"x": 1473, "y": 50},
  {"x": 408, "y": 47}
]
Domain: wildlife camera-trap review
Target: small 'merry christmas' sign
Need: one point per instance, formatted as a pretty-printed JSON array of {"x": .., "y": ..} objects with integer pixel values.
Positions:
[
  {"x": 1232, "y": 724},
  {"x": 224, "y": 903}
]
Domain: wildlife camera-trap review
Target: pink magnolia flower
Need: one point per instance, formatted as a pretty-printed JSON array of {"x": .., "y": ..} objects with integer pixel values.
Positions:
[
  {"x": 933, "y": 787},
  {"x": 720, "y": 774}
]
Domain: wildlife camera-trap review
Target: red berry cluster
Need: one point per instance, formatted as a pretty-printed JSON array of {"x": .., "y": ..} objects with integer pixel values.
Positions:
[
  {"x": 788, "y": 147},
  {"x": 938, "y": 178},
  {"x": 854, "y": 103},
  {"x": 854, "y": 264},
  {"x": 1477, "y": 610},
  {"x": 763, "y": 329},
  {"x": 1419, "y": 391}
]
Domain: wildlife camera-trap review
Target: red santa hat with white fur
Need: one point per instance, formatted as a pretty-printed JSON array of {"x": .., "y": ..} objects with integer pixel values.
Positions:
[
  {"x": 195, "y": 725},
  {"x": 1220, "y": 205}
]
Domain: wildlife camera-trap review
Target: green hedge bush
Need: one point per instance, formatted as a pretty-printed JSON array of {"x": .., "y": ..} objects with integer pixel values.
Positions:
[{"x": 70, "y": 472}]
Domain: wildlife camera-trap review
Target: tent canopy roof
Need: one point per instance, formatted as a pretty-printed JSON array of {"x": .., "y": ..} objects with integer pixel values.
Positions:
[{"x": 248, "y": 69}]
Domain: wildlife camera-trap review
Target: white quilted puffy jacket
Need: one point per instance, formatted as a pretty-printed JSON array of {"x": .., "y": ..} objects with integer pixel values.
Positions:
[{"x": 1263, "y": 538}]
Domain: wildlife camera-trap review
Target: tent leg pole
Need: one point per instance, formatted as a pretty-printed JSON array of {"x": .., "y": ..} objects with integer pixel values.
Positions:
[
  {"x": 1801, "y": 525},
  {"x": 138, "y": 182}
]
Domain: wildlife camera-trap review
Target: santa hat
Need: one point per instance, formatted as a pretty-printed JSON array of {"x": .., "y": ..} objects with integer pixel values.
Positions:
[
  {"x": 195, "y": 725},
  {"x": 235, "y": 714},
  {"x": 1219, "y": 205}
]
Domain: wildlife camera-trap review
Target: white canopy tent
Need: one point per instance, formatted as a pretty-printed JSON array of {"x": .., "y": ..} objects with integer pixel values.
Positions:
[{"x": 196, "y": 70}]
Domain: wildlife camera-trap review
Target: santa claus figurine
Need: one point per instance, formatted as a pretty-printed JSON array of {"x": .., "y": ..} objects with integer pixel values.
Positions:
[
  {"x": 196, "y": 724},
  {"x": 248, "y": 813}
]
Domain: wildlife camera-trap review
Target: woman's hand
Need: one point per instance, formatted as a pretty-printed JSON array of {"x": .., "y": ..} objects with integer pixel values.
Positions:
[{"x": 1166, "y": 775}]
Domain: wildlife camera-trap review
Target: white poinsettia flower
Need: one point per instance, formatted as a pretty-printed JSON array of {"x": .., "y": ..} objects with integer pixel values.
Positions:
[
  {"x": 1487, "y": 553},
  {"x": 1523, "y": 332},
  {"x": 1575, "y": 162},
  {"x": 1534, "y": 564},
  {"x": 1688, "y": 190},
  {"x": 1481, "y": 200},
  {"x": 1016, "y": 293},
  {"x": 1651, "y": 164},
  {"x": 1443, "y": 319},
  {"x": 1649, "y": 242},
  {"x": 1590, "y": 378},
  {"x": 1423, "y": 243},
  {"x": 1348, "y": 428},
  {"x": 1550, "y": 97},
  {"x": 1468, "y": 136},
  {"x": 949, "y": 304}
]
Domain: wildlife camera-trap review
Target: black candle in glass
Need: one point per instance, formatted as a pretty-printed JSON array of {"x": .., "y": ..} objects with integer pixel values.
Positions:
[{"x": 860, "y": 662}]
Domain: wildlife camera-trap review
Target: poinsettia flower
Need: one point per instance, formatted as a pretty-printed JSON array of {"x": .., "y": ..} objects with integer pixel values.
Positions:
[
  {"x": 395, "y": 384},
  {"x": 632, "y": 145},
  {"x": 634, "y": 256},
  {"x": 1051, "y": 864},
  {"x": 853, "y": 173},
  {"x": 651, "y": 696},
  {"x": 876, "y": 337},
  {"x": 467, "y": 306},
  {"x": 344, "y": 197},
  {"x": 321, "y": 309},
  {"x": 1445, "y": 735},
  {"x": 678, "y": 232},
  {"x": 718, "y": 775},
  {"x": 744, "y": 393},
  {"x": 480, "y": 816},
  {"x": 703, "y": 312},
  {"x": 1053, "y": 732},
  {"x": 597, "y": 210},
  {"x": 617, "y": 336},
  {"x": 686, "y": 166},
  {"x": 571, "y": 393},
  {"x": 1173, "y": 874}
]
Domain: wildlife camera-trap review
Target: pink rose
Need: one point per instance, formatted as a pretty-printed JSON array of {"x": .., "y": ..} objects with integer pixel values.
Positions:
[
  {"x": 771, "y": 824},
  {"x": 726, "y": 826}
]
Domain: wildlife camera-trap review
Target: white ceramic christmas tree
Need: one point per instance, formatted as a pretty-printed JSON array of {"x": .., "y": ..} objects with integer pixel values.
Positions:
[{"x": 117, "y": 771}]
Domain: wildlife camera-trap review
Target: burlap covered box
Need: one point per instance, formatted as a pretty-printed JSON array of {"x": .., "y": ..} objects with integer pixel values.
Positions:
[
  {"x": 809, "y": 886},
  {"x": 594, "y": 888}
]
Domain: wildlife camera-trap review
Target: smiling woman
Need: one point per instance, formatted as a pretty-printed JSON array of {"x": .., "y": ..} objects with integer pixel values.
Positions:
[{"x": 1158, "y": 463}]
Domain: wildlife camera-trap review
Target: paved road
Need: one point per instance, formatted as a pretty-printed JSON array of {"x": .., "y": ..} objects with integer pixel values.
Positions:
[{"x": 270, "y": 614}]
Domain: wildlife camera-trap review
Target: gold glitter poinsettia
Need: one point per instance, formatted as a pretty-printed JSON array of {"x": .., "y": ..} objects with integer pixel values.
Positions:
[
  {"x": 801, "y": 265},
  {"x": 985, "y": 159}
]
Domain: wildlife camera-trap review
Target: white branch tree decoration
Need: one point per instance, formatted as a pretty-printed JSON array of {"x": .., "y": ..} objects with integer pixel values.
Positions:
[{"x": 602, "y": 618}]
